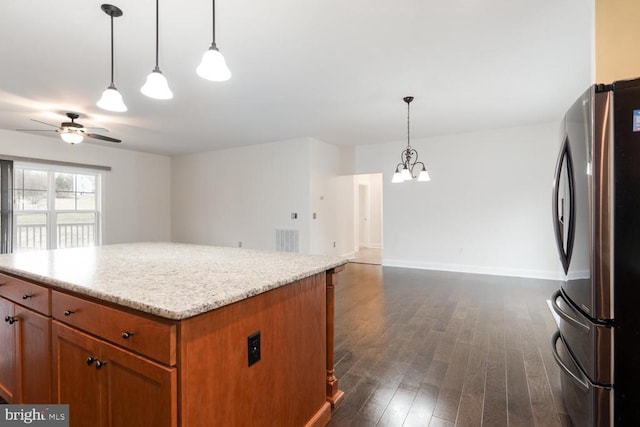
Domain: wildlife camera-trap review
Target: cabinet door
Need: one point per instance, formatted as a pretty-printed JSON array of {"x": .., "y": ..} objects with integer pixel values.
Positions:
[
  {"x": 137, "y": 391},
  {"x": 75, "y": 376},
  {"x": 33, "y": 341},
  {"x": 8, "y": 368}
]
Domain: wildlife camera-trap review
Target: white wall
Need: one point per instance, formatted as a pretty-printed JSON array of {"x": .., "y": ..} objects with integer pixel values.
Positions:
[
  {"x": 137, "y": 200},
  {"x": 242, "y": 195},
  {"x": 329, "y": 193},
  {"x": 485, "y": 210}
]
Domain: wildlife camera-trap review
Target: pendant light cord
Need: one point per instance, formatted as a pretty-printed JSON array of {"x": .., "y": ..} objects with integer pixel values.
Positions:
[
  {"x": 112, "y": 51},
  {"x": 408, "y": 127},
  {"x": 213, "y": 19},
  {"x": 157, "y": 32}
]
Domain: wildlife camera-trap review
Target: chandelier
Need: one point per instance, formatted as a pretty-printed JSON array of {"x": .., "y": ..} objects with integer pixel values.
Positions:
[{"x": 409, "y": 158}]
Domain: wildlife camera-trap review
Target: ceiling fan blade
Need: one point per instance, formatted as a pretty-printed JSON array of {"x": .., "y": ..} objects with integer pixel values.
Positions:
[
  {"x": 36, "y": 130},
  {"x": 44, "y": 123},
  {"x": 102, "y": 137}
]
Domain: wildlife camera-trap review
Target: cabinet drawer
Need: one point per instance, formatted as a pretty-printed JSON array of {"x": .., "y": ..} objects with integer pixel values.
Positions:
[
  {"x": 151, "y": 338},
  {"x": 25, "y": 293}
]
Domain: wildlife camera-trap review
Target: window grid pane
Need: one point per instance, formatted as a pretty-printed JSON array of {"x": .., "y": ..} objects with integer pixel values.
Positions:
[{"x": 71, "y": 221}]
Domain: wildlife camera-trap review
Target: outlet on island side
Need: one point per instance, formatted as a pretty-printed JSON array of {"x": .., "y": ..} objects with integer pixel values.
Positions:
[{"x": 253, "y": 347}]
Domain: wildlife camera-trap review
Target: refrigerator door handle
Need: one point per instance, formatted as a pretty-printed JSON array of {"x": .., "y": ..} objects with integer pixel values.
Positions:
[
  {"x": 554, "y": 340},
  {"x": 565, "y": 249},
  {"x": 564, "y": 315}
]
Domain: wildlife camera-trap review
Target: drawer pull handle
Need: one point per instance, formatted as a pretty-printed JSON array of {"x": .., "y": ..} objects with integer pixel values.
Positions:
[
  {"x": 68, "y": 312},
  {"x": 100, "y": 364},
  {"x": 26, "y": 296},
  {"x": 90, "y": 360},
  {"x": 127, "y": 335},
  {"x": 10, "y": 319}
]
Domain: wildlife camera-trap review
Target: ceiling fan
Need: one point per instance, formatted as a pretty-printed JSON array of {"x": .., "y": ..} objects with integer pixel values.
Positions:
[{"x": 72, "y": 132}]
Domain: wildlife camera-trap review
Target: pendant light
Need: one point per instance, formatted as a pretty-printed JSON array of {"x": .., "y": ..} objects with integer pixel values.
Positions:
[
  {"x": 409, "y": 158},
  {"x": 111, "y": 99},
  {"x": 156, "y": 85},
  {"x": 213, "y": 66}
]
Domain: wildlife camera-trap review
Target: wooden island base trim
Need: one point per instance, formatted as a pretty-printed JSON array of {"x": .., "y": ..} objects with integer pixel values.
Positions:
[
  {"x": 334, "y": 395},
  {"x": 321, "y": 418}
]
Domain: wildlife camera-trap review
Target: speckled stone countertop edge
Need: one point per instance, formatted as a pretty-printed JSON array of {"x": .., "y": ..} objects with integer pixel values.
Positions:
[{"x": 164, "y": 312}]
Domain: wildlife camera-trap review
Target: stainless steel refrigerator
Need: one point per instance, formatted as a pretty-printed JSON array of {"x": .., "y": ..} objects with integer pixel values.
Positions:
[{"x": 596, "y": 217}]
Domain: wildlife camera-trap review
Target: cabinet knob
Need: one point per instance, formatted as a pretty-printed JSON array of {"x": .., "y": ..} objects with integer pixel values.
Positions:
[
  {"x": 68, "y": 312},
  {"x": 100, "y": 364},
  {"x": 10, "y": 319},
  {"x": 26, "y": 296},
  {"x": 127, "y": 335},
  {"x": 90, "y": 360}
]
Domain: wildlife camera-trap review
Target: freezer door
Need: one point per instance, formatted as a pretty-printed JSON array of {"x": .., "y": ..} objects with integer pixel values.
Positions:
[
  {"x": 590, "y": 343},
  {"x": 588, "y": 405}
]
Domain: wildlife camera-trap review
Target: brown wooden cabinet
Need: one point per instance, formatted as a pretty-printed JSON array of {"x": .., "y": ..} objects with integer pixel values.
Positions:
[
  {"x": 8, "y": 365},
  {"x": 108, "y": 386},
  {"x": 117, "y": 366},
  {"x": 25, "y": 327}
]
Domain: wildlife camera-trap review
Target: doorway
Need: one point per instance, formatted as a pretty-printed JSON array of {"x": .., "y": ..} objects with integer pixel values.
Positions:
[{"x": 368, "y": 219}]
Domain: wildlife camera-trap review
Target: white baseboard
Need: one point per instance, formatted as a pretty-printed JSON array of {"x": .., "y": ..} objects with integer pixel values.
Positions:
[
  {"x": 349, "y": 255},
  {"x": 475, "y": 269},
  {"x": 375, "y": 245}
]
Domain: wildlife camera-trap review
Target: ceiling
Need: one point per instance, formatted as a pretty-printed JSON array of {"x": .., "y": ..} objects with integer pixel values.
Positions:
[{"x": 335, "y": 70}]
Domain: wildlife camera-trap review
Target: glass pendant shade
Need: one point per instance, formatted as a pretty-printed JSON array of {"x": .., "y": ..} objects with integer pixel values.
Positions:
[
  {"x": 156, "y": 86},
  {"x": 71, "y": 136},
  {"x": 213, "y": 66},
  {"x": 111, "y": 100},
  {"x": 397, "y": 177},
  {"x": 424, "y": 175},
  {"x": 406, "y": 174}
]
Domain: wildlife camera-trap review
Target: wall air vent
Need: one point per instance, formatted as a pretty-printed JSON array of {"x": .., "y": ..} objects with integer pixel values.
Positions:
[{"x": 287, "y": 240}]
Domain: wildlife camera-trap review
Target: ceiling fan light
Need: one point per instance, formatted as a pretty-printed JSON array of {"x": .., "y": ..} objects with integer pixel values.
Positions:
[
  {"x": 156, "y": 86},
  {"x": 213, "y": 66},
  {"x": 71, "y": 136},
  {"x": 111, "y": 100}
]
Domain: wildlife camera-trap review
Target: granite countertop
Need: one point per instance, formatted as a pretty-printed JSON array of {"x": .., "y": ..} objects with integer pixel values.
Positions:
[{"x": 170, "y": 280}]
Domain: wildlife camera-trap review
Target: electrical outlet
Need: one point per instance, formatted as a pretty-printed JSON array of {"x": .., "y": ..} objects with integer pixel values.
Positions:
[
  {"x": 253, "y": 348},
  {"x": 314, "y": 215},
  {"x": 334, "y": 244},
  {"x": 239, "y": 244}
]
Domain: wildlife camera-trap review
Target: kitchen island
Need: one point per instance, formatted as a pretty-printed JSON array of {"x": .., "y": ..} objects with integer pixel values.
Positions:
[{"x": 165, "y": 334}]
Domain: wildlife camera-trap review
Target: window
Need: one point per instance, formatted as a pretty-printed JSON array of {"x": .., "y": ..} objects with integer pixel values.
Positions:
[{"x": 55, "y": 208}]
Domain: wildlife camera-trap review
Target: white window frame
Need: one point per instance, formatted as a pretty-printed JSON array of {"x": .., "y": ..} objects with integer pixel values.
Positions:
[{"x": 51, "y": 213}]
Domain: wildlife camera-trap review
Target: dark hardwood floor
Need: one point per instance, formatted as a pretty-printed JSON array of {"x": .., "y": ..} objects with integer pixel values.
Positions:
[{"x": 429, "y": 348}]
